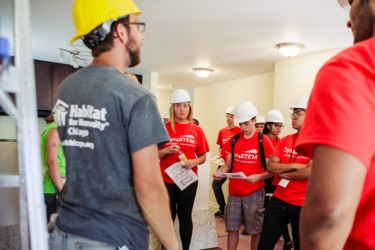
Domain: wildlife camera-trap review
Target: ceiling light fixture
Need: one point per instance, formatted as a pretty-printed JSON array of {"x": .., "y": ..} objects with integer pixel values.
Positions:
[
  {"x": 75, "y": 57},
  {"x": 289, "y": 49},
  {"x": 203, "y": 72}
]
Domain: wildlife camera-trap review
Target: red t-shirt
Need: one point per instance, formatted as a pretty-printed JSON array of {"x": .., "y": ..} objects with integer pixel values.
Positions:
[
  {"x": 341, "y": 114},
  {"x": 224, "y": 140},
  {"x": 295, "y": 191},
  {"x": 275, "y": 142},
  {"x": 247, "y": 160},
  {"x": 192, "y": 142}
]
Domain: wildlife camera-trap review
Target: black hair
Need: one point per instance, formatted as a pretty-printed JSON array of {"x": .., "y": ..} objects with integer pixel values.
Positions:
[
  {"x": 266, "y": 130},
  {"x": 108, "y": 41},
  {"x": 195, "y": 121}
]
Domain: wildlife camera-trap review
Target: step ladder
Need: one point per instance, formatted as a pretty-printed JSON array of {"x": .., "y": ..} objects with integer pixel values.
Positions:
[{"x": 20, "y": 80}]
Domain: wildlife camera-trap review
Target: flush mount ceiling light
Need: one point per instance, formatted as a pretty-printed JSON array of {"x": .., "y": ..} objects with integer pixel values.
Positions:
[
  {"x": 289, "y": 49},
  {"x": 203, "y": 72}
]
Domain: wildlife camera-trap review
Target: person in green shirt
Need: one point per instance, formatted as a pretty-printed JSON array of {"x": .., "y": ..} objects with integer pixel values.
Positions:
[{"x": 53, "y": 165}]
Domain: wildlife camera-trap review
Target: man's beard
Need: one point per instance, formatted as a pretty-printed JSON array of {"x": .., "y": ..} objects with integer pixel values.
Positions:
[
  {"x": 364, "y": 29},
  {"x": 364, "y": 34},
  {"x": 135, "y": 57}
]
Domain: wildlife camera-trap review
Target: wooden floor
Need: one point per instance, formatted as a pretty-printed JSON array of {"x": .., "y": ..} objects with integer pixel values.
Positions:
[{"x": 243, "y": 242}]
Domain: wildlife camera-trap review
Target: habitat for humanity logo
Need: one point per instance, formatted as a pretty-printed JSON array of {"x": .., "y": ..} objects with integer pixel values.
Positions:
[
  {"x": 81, "y": 116},
  {"x": 61, "y": 110},
  {"x": 78, "y": 120}
]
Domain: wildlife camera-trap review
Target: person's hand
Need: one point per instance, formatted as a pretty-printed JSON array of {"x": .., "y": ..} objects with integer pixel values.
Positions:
[
  {"x": 189, "y": 164},
  {"x": 216, "y": 175},
  {"x": 173, "y": 148},
  {"x": 253, "y": 178},
  {"x": 297, "y": 166}
]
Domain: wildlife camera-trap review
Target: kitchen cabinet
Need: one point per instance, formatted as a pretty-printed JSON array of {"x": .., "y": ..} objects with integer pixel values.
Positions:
[
  {"x": 43, "y": 84},
  {"x": 48, "y": 77}
]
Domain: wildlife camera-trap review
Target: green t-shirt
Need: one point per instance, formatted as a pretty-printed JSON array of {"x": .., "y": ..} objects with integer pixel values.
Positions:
[{"x": 48, "y": 185}]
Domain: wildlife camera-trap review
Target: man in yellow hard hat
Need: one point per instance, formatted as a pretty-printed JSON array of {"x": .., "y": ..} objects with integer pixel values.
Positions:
[
  {"x": 339, "y": 210},
  {"x": 110, "y": 129}
]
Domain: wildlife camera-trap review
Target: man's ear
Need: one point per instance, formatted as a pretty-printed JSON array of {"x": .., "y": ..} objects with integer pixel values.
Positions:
[{"x": 120, "y": 32}]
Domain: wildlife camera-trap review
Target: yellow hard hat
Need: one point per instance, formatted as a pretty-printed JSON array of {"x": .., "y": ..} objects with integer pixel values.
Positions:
[{"x": 89, "y": 14}]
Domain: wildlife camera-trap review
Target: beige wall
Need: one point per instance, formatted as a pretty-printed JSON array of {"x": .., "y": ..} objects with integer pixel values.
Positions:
[
  {"x": 295, "y": 78},
  {"x": 163, "y": 101}
]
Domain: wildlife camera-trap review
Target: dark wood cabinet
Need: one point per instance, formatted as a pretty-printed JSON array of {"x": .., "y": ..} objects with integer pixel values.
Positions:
[
  {"x": 48, "y": 77},
  {"x": 43, "y": 84},
  {"x": 60, "y": 72}
]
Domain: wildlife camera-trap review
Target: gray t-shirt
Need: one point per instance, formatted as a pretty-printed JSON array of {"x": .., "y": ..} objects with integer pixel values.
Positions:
[{"x": 103, "y": 117}]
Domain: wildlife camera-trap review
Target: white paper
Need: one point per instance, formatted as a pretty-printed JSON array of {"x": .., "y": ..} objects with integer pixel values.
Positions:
[
  {"x": 218, "y": 160},
  {"x": 182, "y": 177},
  {"x": 238, "y": 175}
]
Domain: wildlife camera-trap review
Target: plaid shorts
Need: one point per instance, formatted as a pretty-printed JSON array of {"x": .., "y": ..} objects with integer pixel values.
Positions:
[{"x": 248, "y": 207}]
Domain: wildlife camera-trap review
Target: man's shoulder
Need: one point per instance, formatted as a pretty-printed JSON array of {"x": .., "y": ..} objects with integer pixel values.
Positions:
[
  {"x": 288, "y": 138},
  {"x": 358, "y": 54},
  {"x": 234, "y": 130},
  {"x": 223, "y": 129}
]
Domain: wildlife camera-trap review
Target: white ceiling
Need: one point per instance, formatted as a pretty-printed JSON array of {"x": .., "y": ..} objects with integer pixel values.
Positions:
[{"x": 234, "y": 37}]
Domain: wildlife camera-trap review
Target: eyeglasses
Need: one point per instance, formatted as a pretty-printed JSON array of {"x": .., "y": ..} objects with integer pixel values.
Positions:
[
  {"x": 295, "y": 115},
  {"x": 141, "y": 26},
  {"x": 277, "y": 125}
]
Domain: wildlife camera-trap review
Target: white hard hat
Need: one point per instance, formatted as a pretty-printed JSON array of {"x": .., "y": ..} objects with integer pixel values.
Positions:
[
  {"x": 244, "y": 112},
  {"x": 180, "y": 95},
  {"x": 344, "y": 4},
  {"x": 166, "y": 115},
  {"x": 230, "y": 110},
  {"x": 301, "y": 103},
  {"x": 260, "y": 119},
  {"x": 274, "y": 116}
]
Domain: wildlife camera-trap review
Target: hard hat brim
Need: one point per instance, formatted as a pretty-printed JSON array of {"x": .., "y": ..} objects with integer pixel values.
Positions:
[
  {"x": 277, "y": 121},
  {"x": 245, "y": 119},
  {"x": 296, "y": 107}
]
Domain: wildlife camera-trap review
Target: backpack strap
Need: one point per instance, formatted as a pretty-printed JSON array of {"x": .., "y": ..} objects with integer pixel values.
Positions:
[
  {"x": 234, "y": 140},
  {"x": 261, "y": 151}
]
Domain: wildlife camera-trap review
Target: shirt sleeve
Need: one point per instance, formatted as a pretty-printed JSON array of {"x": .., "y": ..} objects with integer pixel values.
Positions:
[
  {"x": 268, "y": 147},
  {"x": 145, "y": 126},
  {"x": 340, "y": 108},
  {"x": 219, "y": 139}
]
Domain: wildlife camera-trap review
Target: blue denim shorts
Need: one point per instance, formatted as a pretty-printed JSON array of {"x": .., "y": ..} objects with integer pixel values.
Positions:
[{"x": 59, "y": 240}]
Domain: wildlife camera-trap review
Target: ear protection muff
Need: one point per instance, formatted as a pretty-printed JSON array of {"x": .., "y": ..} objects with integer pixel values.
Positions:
[{"x": 96, "y": 36}]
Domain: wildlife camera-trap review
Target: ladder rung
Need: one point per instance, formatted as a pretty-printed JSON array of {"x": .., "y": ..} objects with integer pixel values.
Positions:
[{"x": 9, "y": 181}]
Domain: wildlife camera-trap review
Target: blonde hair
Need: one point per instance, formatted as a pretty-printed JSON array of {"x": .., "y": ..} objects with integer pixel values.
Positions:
[{"x": 172, "y": 116}]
